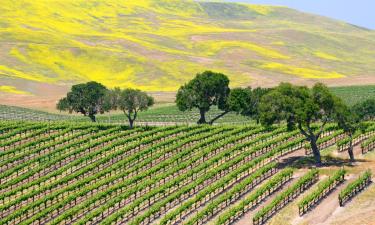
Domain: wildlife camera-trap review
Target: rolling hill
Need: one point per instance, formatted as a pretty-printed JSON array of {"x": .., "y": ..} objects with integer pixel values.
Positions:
[{"x": 157, "y": 45}]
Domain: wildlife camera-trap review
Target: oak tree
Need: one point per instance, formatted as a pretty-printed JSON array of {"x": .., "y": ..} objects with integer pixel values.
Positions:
[
  {"x": 205, "y": 90},
  {"x": 87, "y": 99}
]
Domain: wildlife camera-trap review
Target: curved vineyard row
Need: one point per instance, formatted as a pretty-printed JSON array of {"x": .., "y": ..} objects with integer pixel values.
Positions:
[{"x": 80, "y": 173}]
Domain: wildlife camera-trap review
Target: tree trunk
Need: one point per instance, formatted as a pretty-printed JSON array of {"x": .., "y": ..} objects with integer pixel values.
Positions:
[
  {"x": 131, "y": 123},
  {"x": 92, "y": 117},
  {"x": 202, "y": 120},
  {"x": 315, "y": 150},
  {"x": 218, "y": 117},
  {"x": 350, "y": 150}
]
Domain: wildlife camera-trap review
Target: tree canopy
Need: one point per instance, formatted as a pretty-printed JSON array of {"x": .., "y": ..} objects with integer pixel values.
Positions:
[
  {"x": 245, "y": 101},
  {"x": 349, "y": 122},
  {"x": 366, "y": 109},
  {"x": 300, "y": 107},
  {"x": 205, "y": 90},
  {"x": 131, "y": 102},
  {"x": 87, "y": 99}
]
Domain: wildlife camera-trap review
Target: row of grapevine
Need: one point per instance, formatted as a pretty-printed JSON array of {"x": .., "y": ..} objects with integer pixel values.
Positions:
[
  {"x": 358, "y": 137},
  {"x": 80, "y": 173},
  {"x": 211, "y": 167},
  {"x": 286, "y": 196},
  {"x": 244, "y": 158},
  {"x": 139, "y": 176},
  {"x": 206, "y": 152},
  {"x": 33, "y": 149},
  {"x": 233, "y": 194},
  {"x": 324, "y": 188},
  {"x": 74, "y": 174},
  {"x": 261, "y": 193},
  {"x": 355, "y": 187},
  {"x": 368, "y": 145},
  {"x": 215, "y": 151}
]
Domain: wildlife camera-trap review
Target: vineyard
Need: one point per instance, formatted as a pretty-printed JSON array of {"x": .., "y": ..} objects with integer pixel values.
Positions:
[
  {"x": 79, "y": 173},
  {"x": 163, "y": 115}
]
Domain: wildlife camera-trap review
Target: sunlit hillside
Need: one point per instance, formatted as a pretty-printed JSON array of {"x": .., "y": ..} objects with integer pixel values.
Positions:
[{"x": 157, "y": 45}]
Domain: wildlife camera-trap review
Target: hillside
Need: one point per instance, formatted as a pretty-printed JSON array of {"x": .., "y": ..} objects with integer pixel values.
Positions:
[
  {"x": 80, "y": 173},
  {"x": 157, "y": 45}
]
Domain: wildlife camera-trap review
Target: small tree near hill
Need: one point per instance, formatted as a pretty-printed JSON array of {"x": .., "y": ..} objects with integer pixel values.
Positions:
[
  {"x": 131, "y": 102},
  {"x": 301, "y": 107},
  {"x": 205, "y": 90},
  {"x": 87, "y": 99}
]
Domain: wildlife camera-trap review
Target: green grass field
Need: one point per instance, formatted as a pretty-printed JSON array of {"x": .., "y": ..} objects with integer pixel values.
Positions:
[{"x": 354, "y": 94}]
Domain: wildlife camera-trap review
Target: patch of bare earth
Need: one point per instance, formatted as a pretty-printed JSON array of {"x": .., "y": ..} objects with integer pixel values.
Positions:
[
  {"x": 359, "y": 211},
  {"x": 248, "y": 218},
  {"x": 45, "y": 96}
]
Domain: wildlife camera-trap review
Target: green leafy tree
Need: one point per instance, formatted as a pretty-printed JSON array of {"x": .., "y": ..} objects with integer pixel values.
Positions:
[
  {"x": 245, "y": 101},
  {"x": 350, "y": 119},
  {"x": 301, "y": 108},
  {"x": 366, "y": 109},
  {"x": 205, "y": 90},
  {"x": 240, "y": 100},
  {"x": 350, "y": 122},
  {"x": 87, "y": 99},
  {"x": 131, "y": 102},
  {"x": 112, "y": 98}
]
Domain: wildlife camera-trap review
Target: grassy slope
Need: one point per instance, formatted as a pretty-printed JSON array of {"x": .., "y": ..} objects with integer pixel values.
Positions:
[
  {"x": 170, "y": 113},
  {"x": 158, "y": 45},
  {"x": 354, "y": 94}
]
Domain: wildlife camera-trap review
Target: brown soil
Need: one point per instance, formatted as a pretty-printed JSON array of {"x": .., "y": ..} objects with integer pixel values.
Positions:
[
  {"x": 325, "y": 209},
  {"x": 246, "y": 220},
  {"x": 359, "y": 211}
]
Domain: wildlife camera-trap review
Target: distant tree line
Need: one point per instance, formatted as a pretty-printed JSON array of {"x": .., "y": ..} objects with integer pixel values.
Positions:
[
  {"x": 299, "y": 107},
  {"x": 93, "y": 98}
]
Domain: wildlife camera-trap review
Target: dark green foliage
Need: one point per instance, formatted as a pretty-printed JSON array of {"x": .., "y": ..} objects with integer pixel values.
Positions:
[
  {"x": 300, "y": 107},
  {"x": 348, "y": 121},
  {"x": 366, "y": 109},
  {"x": 88, "y": 99},
  {"x": 112, "y": 98},
  {"x": 245, "y": 101},
  {"x": 131, "y": 102},
  {"x": 205, "y": 90},
  {"x": 240, "y": 100}
]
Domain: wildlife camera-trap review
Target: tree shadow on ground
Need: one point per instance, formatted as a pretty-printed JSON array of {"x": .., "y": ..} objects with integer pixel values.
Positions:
[{"x": 300, "y": 162}]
